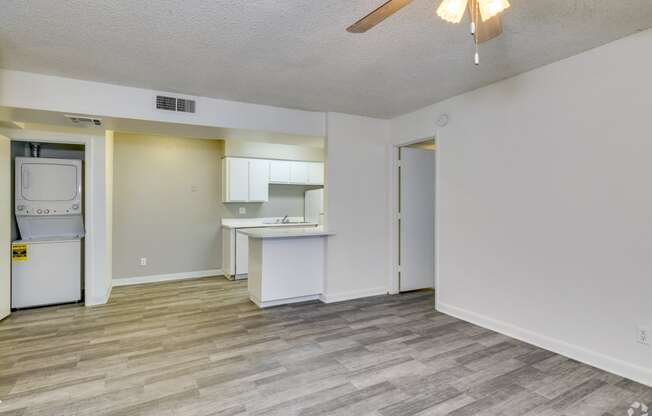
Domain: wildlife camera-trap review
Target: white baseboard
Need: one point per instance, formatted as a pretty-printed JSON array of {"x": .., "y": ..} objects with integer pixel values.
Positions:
[
  {"x": 343, "y": 296},
  {"x": 278, "y": 302},
  {"x": 138, "y": 280},
  {"x": 97, "y": 301},
  {"x": 613, "y": 365}
]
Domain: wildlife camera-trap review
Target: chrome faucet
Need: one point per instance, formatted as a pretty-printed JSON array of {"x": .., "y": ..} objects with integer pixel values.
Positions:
[{"x": 285, "y": 220}]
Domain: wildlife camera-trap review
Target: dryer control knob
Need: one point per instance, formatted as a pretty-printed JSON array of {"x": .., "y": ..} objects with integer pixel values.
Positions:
[
  {"x": 47, "y": 211},
  {"x": 39, "y": 211}
]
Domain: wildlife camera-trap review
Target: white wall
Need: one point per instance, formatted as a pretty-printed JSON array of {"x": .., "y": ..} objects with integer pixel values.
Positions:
[
  {"x": 242, "y": 148},
  {"x": 544, "y": 210},
  {"x": 108, "y": 206},
  {"x": 43, "y": 92},
  {"x": 357, "y": 207}
]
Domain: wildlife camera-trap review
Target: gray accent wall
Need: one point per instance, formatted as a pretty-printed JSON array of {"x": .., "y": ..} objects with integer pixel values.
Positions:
[{"x": 167, "y": 204}]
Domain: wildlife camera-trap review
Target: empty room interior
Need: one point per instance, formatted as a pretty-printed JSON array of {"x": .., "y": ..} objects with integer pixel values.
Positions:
[{"x": 345, "y": 207}]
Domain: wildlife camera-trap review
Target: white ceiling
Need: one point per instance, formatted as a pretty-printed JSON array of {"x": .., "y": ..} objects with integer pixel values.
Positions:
[{"x": 296, "y": 53}]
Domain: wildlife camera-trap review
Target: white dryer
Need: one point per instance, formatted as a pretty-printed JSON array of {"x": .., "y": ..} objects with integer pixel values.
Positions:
[{"x": 48, "y": 198}]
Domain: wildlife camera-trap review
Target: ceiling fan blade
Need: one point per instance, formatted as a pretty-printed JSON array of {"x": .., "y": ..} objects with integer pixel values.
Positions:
[
  {"x": 378, "y": 15},
  {"x": 490, "y": 29}
]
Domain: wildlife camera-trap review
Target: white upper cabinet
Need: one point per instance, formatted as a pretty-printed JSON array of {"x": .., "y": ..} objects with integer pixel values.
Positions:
[
  {"x": 258, "y": 180},
  {"x": 315, "y": 173},
  {"x": 245, "y": 180},
  {"x": 235, "y": 180},
  {"x": 298, "y": 172},
  {"x": 279, "y": 171}
]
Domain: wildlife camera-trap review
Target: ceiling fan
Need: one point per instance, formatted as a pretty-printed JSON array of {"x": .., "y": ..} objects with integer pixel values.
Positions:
[{"x": 485, "y": 17}]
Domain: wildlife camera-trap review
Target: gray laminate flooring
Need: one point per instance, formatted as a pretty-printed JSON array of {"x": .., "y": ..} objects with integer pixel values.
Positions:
[{"x": 199, "y": 347}]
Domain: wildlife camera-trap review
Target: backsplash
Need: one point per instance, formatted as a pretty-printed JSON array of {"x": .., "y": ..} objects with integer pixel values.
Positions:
[{"x": 283, "y": 200}]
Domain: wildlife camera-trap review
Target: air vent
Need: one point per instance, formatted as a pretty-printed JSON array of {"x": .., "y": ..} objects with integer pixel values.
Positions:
[
  {"x": 84, "y": 121},
  {"x": 175, "y": 104},
  {"x": 186, "y": 106},
  {"x": 166, "y": 103}
]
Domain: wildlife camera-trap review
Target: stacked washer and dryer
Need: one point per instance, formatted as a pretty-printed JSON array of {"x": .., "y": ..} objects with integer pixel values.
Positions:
[{"x": 47, "y": 260}]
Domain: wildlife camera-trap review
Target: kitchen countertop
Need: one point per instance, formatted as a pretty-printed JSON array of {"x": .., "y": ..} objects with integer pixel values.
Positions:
[
  {"x": 264, "y": 222},
  {"x": 292, "y": 232}
]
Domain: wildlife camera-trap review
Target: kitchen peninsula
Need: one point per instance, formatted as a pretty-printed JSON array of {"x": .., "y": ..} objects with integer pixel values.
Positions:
[{"x": 286, "y": 265}]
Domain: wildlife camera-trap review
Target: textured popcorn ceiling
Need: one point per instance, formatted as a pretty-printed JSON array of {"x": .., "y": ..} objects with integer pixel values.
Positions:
[{"x": 296, "y": 53}]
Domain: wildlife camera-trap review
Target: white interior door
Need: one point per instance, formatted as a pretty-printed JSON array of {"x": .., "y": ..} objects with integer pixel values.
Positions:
[
  {"x": 5, "y": 231},
  {"x": 417, "y": 219}
]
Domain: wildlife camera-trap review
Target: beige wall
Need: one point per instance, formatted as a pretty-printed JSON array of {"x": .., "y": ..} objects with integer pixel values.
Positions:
[{"x": 166, "y": 205}]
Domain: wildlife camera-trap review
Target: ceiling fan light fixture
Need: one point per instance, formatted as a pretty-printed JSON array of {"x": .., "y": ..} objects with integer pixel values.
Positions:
[
  {"x": 490, "y": 8},
  {"x": 452, "y": 10}
]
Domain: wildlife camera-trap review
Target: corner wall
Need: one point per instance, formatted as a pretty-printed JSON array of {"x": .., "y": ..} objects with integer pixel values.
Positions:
[
  {"x": 544, "y": 221},
  {"x": 357, "y": 207}
]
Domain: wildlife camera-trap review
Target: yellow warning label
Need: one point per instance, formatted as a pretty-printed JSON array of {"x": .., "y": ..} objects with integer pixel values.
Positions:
[{"x": 19, "y": 252}]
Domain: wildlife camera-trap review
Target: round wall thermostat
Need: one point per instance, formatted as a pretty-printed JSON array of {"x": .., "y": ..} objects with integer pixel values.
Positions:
[{"x": 442, "y": 120}]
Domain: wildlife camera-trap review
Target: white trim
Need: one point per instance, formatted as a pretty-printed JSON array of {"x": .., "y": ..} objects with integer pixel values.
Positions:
[
  {"x": 97, "y": 301},
  {"x": 613, "y": 365},
  {"x": 278, "y": 302},
  {"x": 341, "y": 297},
  {"x": 394, "y": 163},
  {"x": 93, "y": 214},
  {"x": 137, "y": 280}
]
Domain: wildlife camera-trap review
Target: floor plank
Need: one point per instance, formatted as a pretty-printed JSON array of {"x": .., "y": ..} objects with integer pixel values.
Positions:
[{"x": 200, "y": 348}]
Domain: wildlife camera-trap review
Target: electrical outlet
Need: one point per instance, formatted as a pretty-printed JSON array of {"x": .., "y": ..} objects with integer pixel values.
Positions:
[
  {"x": 143, "y": 261},
  {"x": 194, "y": 188},
  {"x": 643, "y": 335},
  {"x": 242, "y": 210}
]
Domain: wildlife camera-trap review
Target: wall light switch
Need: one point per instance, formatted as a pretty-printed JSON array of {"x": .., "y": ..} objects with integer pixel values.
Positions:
[
  {"x": 242, "y": 210},
  {"x": 143, "y": 261}
]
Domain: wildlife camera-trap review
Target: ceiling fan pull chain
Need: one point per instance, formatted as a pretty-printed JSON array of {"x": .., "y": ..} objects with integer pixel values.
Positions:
[{"x": 474, "y": 21}]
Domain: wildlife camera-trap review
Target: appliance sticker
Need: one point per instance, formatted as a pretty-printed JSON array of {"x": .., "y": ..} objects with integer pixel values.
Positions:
[{"x": 19, "y": 252}]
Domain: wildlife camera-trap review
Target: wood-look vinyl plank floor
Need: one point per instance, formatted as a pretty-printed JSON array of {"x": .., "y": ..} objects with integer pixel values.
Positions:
[{"x": 201, "y": 348}]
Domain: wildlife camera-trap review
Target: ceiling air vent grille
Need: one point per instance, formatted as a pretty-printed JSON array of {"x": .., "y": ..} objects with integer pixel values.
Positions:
[
  {"x": 84, "y": 121},
  {"x": 175, "y": 104},
  {"x": 166, "y": 103},
  {"x": 186, "y": 106}
]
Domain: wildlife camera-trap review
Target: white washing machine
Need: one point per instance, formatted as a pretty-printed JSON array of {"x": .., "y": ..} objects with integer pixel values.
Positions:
[
  {"x": 46, "y": 262},
  {"x": 46, "y": 272}
]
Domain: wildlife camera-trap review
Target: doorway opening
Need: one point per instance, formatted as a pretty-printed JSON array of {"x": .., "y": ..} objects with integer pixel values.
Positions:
[{"x": 415, "y": 219}]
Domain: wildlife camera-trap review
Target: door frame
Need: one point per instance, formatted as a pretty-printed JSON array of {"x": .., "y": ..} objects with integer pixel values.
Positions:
[
  {"x": 88, "y": 141},
  {"x": 394, "y": 186}
]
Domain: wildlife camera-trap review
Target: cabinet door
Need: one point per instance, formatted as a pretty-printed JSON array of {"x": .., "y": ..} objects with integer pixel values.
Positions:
[
  {"x": 316, "y": 173},
  {"x": 228, "y": 252},
  {"x": 279, "y": 171},
  {"x": 258, "y": 180},
  {"x": 241, "y": 255},
  {"x": 236, "y": 180},
  {"x": 299, "y": 172}
]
